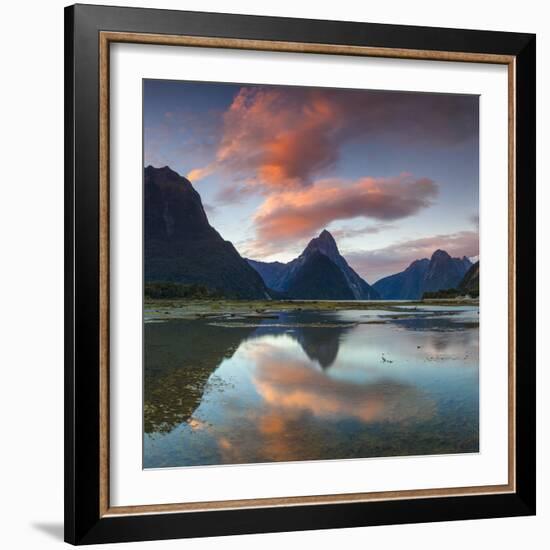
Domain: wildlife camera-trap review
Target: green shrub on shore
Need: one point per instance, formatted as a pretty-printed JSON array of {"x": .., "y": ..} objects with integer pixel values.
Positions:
[
  {"x": 449, "y": 293},
  {"x": 159, "y": 290}
]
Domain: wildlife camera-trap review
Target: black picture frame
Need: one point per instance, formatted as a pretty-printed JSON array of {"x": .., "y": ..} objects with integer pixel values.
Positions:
[{"x": 84, "y": 523}]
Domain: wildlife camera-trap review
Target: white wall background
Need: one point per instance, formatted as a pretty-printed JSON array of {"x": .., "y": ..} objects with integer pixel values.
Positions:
[{"x": 31, "y": 274}]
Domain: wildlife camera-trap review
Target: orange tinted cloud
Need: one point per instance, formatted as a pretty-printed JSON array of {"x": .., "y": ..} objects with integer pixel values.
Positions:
[
  {"x": 276, "y": 137},
  {"x": 302, "y": 212},
  {"x": 284, "y": 137},
  {"x": 200, "y": 173}
]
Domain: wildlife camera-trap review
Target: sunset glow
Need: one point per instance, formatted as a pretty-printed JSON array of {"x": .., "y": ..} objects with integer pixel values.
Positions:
[{"x": 392, "y": 175}]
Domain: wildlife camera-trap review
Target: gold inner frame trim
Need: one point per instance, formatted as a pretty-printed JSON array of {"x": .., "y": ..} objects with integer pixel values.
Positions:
[{"x": 105, "y": 39}]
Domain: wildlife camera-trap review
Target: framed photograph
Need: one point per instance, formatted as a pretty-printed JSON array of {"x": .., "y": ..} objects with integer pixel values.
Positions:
[{"x": 300, "y": 274}]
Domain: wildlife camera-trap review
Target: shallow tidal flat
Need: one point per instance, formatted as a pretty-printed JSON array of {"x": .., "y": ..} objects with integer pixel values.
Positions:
[
  {"x": 162, "y": 310},
  {"x": 232, "y": 382}
]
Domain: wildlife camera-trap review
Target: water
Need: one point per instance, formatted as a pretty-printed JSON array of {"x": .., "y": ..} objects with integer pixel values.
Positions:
[{"x": 311, "y": 386}]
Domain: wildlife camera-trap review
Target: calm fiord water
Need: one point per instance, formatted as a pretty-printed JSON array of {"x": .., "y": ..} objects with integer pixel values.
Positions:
[{"x": 312, "y": 386}]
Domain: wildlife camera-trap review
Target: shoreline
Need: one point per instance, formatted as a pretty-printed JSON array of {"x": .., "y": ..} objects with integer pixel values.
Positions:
[{"x": 164, "y": 309}]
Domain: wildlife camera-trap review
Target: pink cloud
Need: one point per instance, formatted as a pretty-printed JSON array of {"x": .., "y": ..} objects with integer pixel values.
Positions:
[
  {"x": 302, "y": 212},
  {"x": 350, "y": 232}
]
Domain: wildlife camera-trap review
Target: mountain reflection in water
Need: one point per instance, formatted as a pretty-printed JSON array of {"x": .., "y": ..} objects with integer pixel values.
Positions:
[{"x": 309, "y": 386}]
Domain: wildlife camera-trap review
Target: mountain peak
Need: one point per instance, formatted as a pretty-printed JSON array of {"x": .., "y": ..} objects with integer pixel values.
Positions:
[
  {"x": 326, "y": 236},
  {"x": 325, "y": 244},
  {"x": 317, "y": 265},
  {"x": 440, "y": 272},
  {"x": 440, "y": 254},
  {"x": 165, "y": 174},
  {"x": 165, "y": 169}
]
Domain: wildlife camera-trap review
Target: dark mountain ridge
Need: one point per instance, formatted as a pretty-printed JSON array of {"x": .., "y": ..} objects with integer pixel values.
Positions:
[
  {"x": 318, "y": 278},
  {"x": 405, "y": 285},
  {"x": 181, "y": 246},
  {"x": 270, "y": 272},
  {"x": 440, "y": 272},
  {"x": 444, "y": 271},
  {"x": 335, "y": 279},
  {"x": 470, "y": 282}
]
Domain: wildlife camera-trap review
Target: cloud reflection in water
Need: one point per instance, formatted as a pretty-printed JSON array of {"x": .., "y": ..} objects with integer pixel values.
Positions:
[{"x": 327, "y": 393}]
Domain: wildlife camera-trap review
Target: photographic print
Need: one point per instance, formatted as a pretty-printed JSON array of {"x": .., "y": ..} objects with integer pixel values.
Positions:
[
  {"x": 272, "y": 274},
  {"x": 311, "y": 273}
]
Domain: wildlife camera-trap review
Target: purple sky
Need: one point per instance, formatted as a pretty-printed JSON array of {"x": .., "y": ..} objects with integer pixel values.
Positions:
[{"x": 392, "y": 175}]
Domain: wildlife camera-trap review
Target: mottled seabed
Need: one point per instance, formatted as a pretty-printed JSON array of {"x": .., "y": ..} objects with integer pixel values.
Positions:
[{"x": 248, "y": 382}]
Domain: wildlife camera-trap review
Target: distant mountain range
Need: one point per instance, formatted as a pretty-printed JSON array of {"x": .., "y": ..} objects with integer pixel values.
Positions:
[
  {"x": 439, "y": 272},
  {"x": 320, "y": 272},
  {"x": 180, "y": 246}
]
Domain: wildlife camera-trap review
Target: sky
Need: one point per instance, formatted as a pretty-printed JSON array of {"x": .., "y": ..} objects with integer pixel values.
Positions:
[{"x": 393, "y": 175}]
